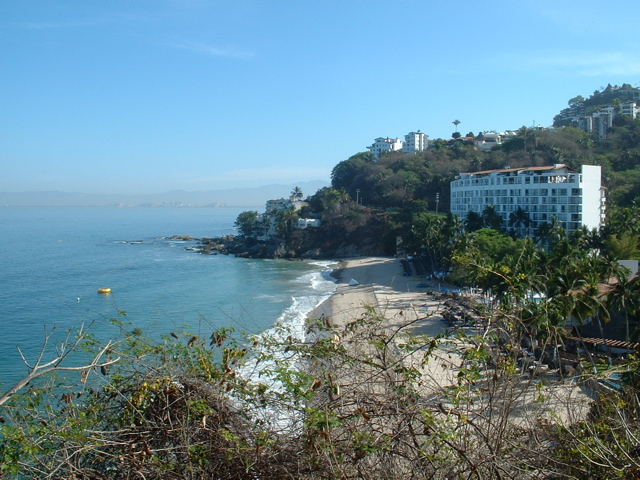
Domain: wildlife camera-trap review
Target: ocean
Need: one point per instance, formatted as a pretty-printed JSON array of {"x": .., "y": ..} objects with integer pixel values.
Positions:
[{"x": 54, "y": 260}]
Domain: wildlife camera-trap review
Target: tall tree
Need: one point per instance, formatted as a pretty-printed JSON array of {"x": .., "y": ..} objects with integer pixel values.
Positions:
[
  {"x": 519, "y": 220},
  {"x": 473, "y": 221},
  {"x": 247, "y": 223},
  {"x": 624, "y": 297},
  {"x": 491, "y": 218},
  {"x": 297, "y": 194},
  {"x": 284, "y": 221}
]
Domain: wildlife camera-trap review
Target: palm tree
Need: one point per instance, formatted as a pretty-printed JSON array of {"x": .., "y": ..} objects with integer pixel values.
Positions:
[
  {"x": 492, "y": 218},
  {"x": 296, "y": 193},
  {"x": 520, "y": 220},
  {"x": 589, "y": 239},
  {"x": 453, "y": 228},
  {"x": 473, "y": 221},
  {"x": 343, "y": 196},
  {"x": 331, "y": 200},
  {"x": 429, "y": 233},
  {"x": 456, "y": 122},
  {"x": 265, "y": 224},
  {"x": 624, "y": 296},
  {"x": 284, "y": 221},
  {"x": 550, "y": 234}
]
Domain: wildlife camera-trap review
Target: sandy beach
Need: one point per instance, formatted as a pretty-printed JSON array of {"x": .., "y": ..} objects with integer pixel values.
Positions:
[
  {"x": 406, "y": 302},
  {"x": 403, "y": 305},
  {"x": 381, "y": 285}
]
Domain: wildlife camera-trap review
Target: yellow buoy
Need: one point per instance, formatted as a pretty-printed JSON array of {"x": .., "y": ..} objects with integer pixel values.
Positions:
[{"x": 104, "y": 290}]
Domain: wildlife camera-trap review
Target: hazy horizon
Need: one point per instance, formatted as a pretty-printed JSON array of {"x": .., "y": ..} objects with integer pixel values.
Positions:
[{"x": 231, "y": 197}]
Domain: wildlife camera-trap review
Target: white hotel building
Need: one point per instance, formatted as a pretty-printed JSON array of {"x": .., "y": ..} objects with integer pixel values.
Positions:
[{"x": 575, "y": 199}]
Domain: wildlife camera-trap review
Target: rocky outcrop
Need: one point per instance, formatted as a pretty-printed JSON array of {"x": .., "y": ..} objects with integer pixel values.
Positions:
[
  {"x": 251, "y": 248},
  {"x": 339, "y": 238},
  {"x": 186, "y": 238},
  {"x": 244, "y": 247}
]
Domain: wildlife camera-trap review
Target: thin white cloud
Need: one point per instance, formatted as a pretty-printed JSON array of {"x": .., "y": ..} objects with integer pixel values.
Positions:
[
  {"x": 213, "y": 50},
  {"x": 581, "y": 63}
]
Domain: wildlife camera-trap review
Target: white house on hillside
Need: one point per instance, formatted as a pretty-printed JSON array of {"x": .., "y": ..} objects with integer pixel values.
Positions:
[
  {"x": 575, "y": 199},
  {"x": 382, "y": 145},
  {"x": 488, "y": 140}
]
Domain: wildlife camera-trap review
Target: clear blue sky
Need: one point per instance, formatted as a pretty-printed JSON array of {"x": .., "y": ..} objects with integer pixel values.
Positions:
[{"x": 148, "y": 96}]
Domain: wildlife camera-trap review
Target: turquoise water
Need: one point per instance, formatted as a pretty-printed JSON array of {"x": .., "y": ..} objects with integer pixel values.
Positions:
[{"x": 53, "y": 260}]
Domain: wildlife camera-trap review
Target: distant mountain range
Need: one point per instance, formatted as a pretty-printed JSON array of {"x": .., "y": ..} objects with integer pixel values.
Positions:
[{"x": 235, "y": 197}]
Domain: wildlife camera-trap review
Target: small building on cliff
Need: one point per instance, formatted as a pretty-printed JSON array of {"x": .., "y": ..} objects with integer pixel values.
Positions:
[{"x": 270, "y": 218}]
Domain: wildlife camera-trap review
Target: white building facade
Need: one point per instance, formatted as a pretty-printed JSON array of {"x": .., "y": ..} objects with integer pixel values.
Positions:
[
  {"x": 629, "y": 109},
  {"x": 415, "y": 142},
  {"x": 573, "y": 198},
  {"x": 382, "y": 145}
]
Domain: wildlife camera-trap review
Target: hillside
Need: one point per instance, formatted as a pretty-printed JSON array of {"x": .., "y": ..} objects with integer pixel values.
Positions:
[
  {"x": 421, "y": 182},
  {"x": 580, "y": 107}
]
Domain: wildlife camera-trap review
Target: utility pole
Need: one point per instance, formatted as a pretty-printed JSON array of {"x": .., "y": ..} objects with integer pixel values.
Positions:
[
  {"x": 357, "y": 196},
  {"x": 437, "y": 201}
]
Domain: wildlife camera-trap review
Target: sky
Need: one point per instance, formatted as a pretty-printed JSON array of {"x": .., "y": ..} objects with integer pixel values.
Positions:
[{"x": 147, "y": 96}]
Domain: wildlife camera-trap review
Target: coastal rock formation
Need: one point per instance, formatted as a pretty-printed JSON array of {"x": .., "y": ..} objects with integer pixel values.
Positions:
[
  {"x": 295, "y": 248},
  {"x": 338, "y": 237}
]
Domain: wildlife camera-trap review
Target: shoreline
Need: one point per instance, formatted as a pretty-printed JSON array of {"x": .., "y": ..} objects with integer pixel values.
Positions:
[{"x": 382, "y": 286}]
